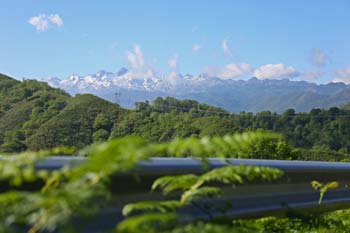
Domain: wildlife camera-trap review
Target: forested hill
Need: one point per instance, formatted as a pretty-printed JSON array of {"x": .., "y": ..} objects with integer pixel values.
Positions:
[{"x": 35, "y": 116}]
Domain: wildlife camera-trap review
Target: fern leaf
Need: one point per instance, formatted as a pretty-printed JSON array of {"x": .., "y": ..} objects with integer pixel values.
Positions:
[
  {"x": 150, "y": 223},
  {"x": 195, "y": 194},
  {"x": 237, "y": 174},
  {"x": 171, "y": 183},
  {"x": 150, "y": 206}
]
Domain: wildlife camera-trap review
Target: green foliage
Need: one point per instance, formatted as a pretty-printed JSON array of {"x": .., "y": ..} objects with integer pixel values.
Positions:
[
  {"x": 337, "y": 221},
  {"x": 18, "y": 169},
  {"x": 323, "y": 188},
  {"x": 320, "y": 153},
  {"x": 193, "y": 187},
  {"x": 74, "y": 125},
  {"x": 100, "y": 135},
  {"x": 237, "y": 145},
  {"x": 82, "y": 190},
  {"x": 237, "y": 174},
  {"x": 168, "y": 119},
  {"x": 199, "y": 193},
  {"x": 150, "y": 223},
  {"x": 35, "y": 116},
  {"x": 150, "y": 206},
  {"x": 169, "y": 104},
  {"x": 69, "y": 191},
  {"x": 169, "y": 184}
]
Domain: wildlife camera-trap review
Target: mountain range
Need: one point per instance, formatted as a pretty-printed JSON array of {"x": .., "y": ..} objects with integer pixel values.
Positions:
[
  {"x": 127, "y": 87},
  {"x": 35, "y": 116}
]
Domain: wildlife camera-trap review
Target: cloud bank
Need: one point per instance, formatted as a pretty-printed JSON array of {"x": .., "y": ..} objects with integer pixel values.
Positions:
[
  {"x": 343, "y": 75},
  {"x": 135, "y": 58},
  {"x": 312, "y": 75},
  {"x": 276, "y": 71},
  {"x": 138, "y": 67},
  {"x": 229, "y": 71}
]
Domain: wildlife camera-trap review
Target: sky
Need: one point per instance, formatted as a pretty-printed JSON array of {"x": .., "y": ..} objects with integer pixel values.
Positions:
[{"x": 272, "y": 39}]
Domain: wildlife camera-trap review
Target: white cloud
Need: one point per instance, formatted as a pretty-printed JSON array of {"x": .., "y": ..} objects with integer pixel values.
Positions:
[
  {"x": 138, "y": 67},
  {"x": 235, "y": 70},
  {"x": 229, "y": 71},
  {"x": 275, "y": 71},
  {"x": 343, "y": 75},
  {"x": 173, "y": 62},
  {"x": 135, "y": 58},
  {"x": 225, "y": 47},
  {"x": 319, "y": 58},
  {"x": 56, "y": 19},
  {"x": 196, "y": 47},
  {"x": 312, "y": 75},
  {"x": 173, "y": 78},
  {"x": 42, "y": 22}
]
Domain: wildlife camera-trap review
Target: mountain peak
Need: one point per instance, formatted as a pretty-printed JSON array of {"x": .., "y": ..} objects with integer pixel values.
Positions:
[
  {"x": 100, "y": 73},
  {"x": 122, "y": 71}
]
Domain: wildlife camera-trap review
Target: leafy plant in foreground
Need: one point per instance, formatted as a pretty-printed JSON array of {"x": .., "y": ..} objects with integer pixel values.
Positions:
[
  {"x": 193, "y": 187},
  {"x": 323, "y": 188},
  {"x": 81, "y": 190}
]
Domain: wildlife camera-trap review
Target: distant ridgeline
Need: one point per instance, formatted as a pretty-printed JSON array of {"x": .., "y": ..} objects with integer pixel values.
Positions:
[
  {"x": 36, "y": 116},
  {"x": 253, "y": 95}
]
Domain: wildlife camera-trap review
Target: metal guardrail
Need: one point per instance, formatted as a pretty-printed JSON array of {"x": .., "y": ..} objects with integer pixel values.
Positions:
[{"x": 292, "y": 192}]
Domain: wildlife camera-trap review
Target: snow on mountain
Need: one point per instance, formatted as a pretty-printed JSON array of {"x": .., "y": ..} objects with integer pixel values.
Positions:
[
  {"x": 53, "y": 81},
  {"x": 129, "y": 80},
  {"x": 129, "y": 86}
]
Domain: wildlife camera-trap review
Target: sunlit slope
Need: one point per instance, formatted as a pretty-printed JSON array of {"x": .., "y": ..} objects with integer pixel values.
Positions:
[
  {"x": 34, "y": 115},
  {"x": 85, "y": 118}
]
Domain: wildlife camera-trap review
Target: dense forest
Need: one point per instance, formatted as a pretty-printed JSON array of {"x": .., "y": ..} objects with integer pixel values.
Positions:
[{"x": 34, "y": 116}]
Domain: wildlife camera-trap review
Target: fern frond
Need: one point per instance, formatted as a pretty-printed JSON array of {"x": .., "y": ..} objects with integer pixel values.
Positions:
[
  {"x": 77, "y": 190},
  {"x": 150, "y": 206},
  {"x": 195, "y": 194},
  {"x": 171, "y": 183},
  {"x": 237, "y": 174},
  {"x": 150, "y": 223},
  {"x": 256, "y": 172}
]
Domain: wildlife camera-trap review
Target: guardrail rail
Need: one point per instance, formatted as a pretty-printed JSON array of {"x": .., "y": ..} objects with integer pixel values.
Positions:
[{"x": 292, "y": 192}]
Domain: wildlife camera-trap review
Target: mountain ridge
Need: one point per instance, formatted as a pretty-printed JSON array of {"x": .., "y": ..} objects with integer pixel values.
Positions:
[{"x": 253, "y": 95}]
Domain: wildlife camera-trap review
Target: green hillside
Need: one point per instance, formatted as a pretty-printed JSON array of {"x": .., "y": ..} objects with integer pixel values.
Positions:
[
  {"x": 84, "y": 120},
  {"x": 34, "y": 116}
]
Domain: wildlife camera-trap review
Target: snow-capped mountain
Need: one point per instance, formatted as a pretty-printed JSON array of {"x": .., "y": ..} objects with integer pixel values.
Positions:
[
  {"x": 129, "y": 80},
  {"x": 127, "y": 87}
]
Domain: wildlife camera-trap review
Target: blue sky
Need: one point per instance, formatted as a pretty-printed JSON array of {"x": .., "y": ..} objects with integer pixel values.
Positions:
[{"x": 232, "y": 39}]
